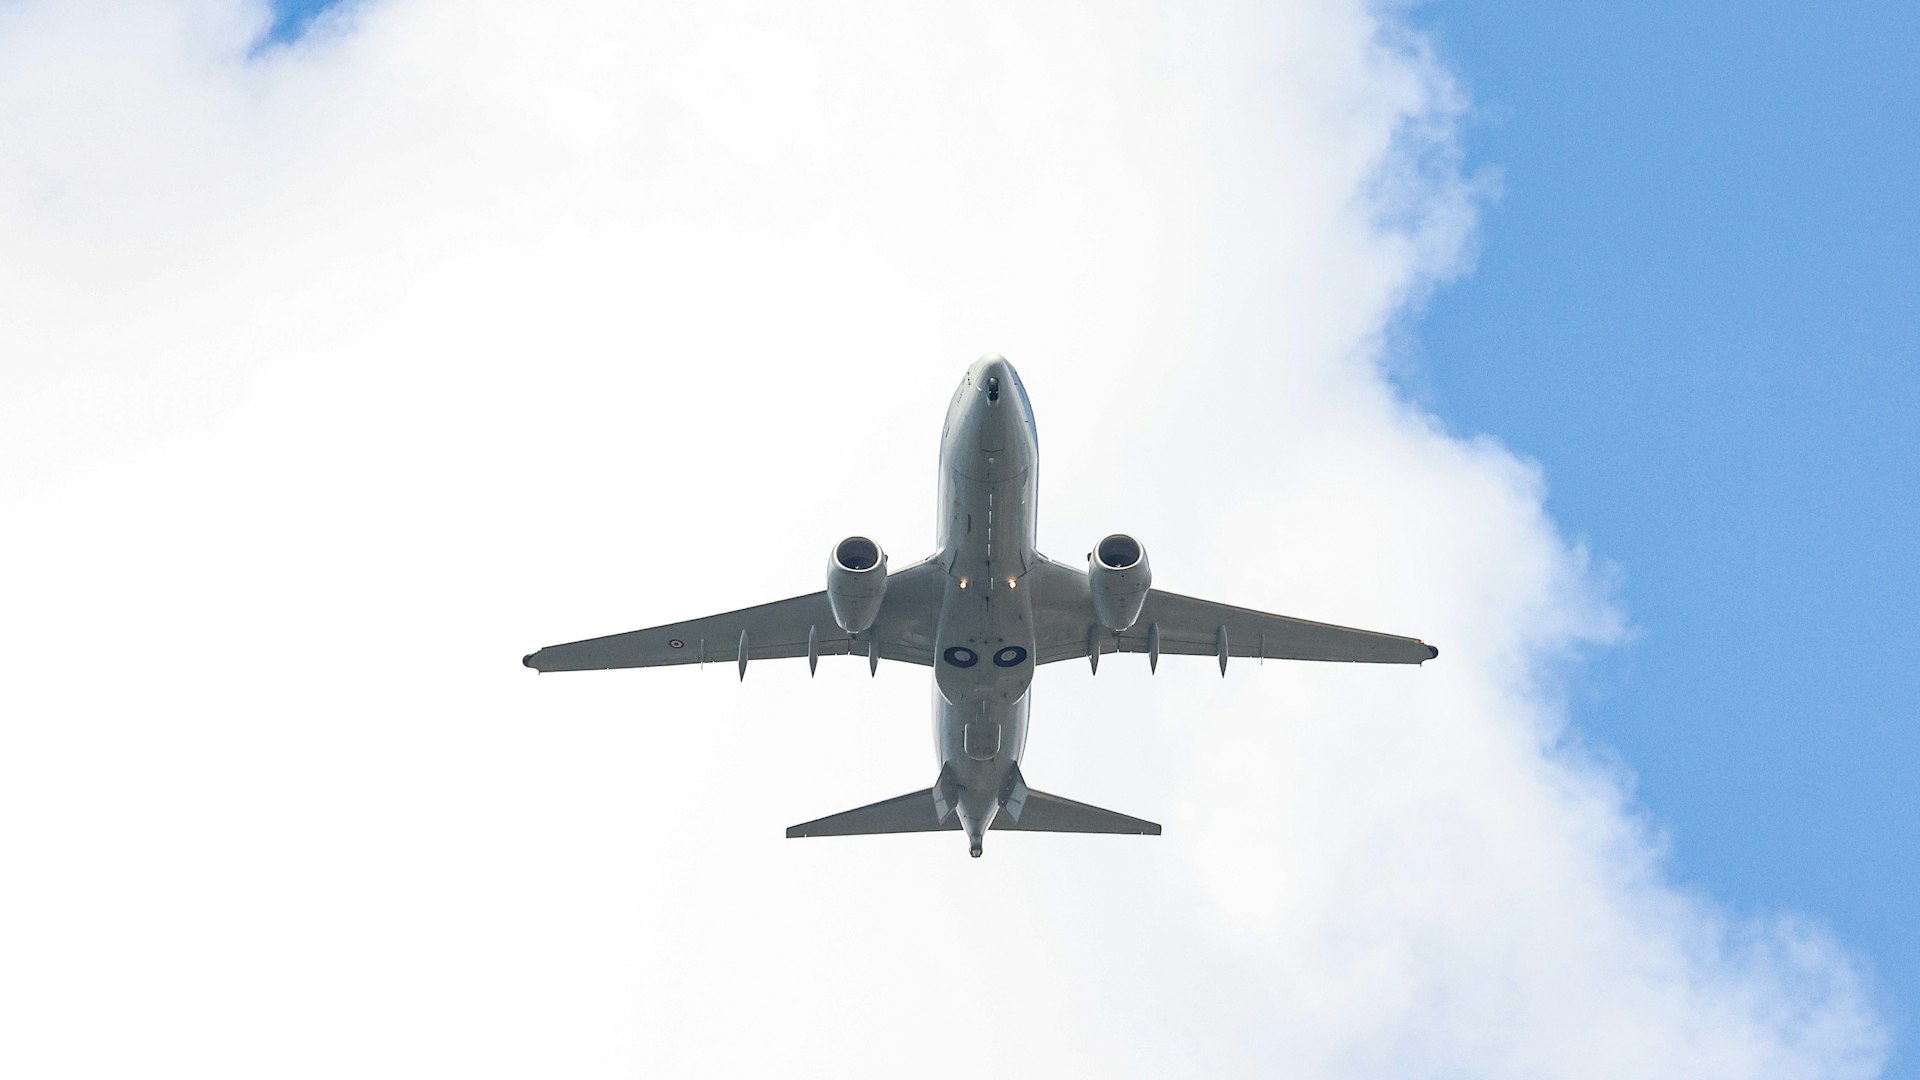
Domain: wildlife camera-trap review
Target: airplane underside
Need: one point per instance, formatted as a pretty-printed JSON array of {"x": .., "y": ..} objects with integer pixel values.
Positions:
[{"x": 983, "y": 612}]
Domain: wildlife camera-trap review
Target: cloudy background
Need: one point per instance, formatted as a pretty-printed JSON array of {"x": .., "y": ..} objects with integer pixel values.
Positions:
[{"x": 341, "y": 371}]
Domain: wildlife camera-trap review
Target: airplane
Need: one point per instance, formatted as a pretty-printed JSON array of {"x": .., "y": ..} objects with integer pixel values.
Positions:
[{"x": 983, "y": 611}]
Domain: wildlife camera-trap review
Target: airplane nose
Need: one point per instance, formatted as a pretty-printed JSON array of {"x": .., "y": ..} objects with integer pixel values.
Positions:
[{"x": 993, "y": 376}]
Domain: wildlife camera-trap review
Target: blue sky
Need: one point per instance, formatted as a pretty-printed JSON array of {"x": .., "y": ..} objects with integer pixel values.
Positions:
[
  {"x": 292, "y": 17},
  {"x": 1697, "y": 304}
]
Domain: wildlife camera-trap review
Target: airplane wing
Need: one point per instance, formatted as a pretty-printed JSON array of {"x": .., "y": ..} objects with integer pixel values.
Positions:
[
  {"x": 903, "y": 631},
  {"x": 1066, "y": 628}
]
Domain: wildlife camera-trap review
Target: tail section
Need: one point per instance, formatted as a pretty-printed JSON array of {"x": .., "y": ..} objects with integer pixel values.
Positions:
[
  {"x": 1021, "y": 809},
  {"x": 922, "y": 811},
  {"x": 1041, "y": 812},
  {"x": 908, "y": 813}
]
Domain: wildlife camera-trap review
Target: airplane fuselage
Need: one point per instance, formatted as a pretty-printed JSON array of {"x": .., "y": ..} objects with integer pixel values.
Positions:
[{"x": 984, "y": 647}]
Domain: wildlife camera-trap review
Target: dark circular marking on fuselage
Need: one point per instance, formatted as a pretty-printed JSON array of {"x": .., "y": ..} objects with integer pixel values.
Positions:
[
  {"x": 1011, "y": 656},
  {"x": 676, "y": 643},
  {"x": 961, "y": 656}
]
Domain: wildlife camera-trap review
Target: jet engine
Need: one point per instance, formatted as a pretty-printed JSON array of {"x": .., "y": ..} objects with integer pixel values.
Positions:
[
  {"x": 856, "y": 582},
  {"x": 1119, "y": 577}
]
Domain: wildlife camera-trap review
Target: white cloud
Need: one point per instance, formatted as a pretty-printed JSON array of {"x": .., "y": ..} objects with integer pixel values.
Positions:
[{"x": 339, "y": 377}]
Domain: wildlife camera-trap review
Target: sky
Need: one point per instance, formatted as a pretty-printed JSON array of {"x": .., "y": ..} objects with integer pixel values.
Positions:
[
  {"x": 348, "y": 361},
  {"x": 1694, "y": 303}
]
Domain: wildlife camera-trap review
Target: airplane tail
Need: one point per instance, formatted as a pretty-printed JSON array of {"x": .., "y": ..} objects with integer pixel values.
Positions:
[
  {"x": 908, "y": 813},
  {"x": 1021, "y": 810},
  {"x": 1051, "y": 813}
]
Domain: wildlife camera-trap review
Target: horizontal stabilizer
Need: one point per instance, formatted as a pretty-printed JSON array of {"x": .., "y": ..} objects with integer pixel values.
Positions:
[
  {"x": 1051, "y": 813},
  {"x": 908, "y": 813}
]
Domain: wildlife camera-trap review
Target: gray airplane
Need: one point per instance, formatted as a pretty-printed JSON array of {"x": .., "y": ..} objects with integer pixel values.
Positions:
[{"x": 982, "y": 612}]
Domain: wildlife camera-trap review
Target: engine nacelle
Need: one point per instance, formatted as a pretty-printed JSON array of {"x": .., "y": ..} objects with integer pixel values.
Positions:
[
  {"x": 856, "y": 582},
  {"x": 1119, "y": 576}
]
